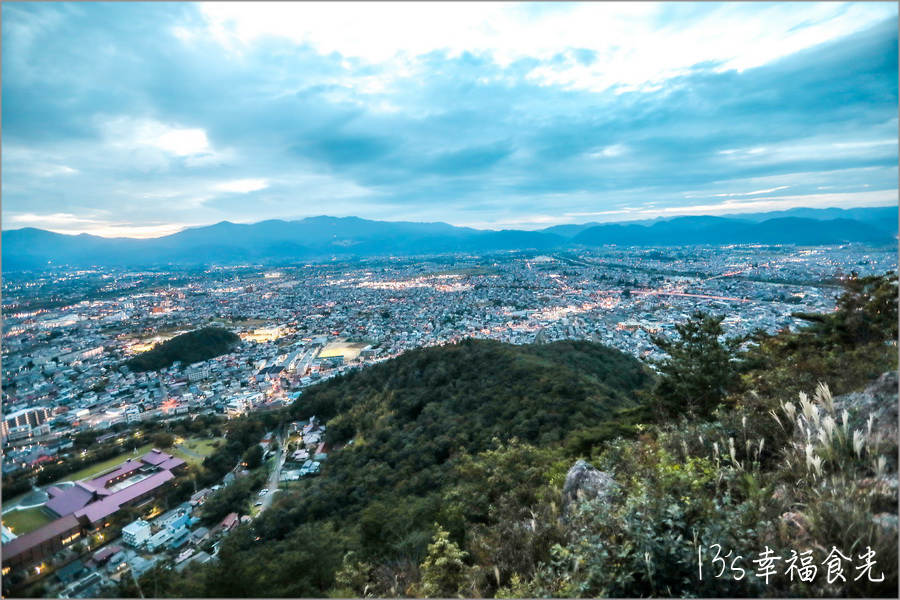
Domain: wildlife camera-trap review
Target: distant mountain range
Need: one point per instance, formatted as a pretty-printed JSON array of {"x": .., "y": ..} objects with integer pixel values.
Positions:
[
  {"x": 882, "y": 217},
  {"x": 348, "y": 237},
  {"x": 720, "y": 230}
]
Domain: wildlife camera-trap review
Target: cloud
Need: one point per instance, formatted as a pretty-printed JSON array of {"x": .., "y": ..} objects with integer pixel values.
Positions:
[
  {"x": 243, "y": 186},
  {"x": 609, "y": 151},
  {"x": 182, "y": 142},
  {"x": 647, "y": 211},
  {"x": 755, "y": 193},
  {"x": 582, "y": 45},
  {"x": 480, "y": 113},
  {"x": 143, "y": 135},
  {"x": 95, "y": 225},
  {"x": 51, "y": 220},
  {"x": 875, "y": 198}
]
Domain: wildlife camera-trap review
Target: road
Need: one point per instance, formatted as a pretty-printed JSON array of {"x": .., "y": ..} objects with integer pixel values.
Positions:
[
  {"x": 660, "y": 293},
  {"x": 184, "y": 449},
  {"x": 272, "y": 485}
]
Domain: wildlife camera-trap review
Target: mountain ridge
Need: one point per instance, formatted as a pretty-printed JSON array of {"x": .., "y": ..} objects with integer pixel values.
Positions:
[{"x": 275, "y": 240}]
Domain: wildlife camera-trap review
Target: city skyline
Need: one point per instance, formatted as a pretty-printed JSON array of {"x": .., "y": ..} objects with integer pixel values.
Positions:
[{"x": 142, "y": 119}]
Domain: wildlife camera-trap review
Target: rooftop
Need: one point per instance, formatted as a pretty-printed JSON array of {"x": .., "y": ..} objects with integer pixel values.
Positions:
[
  {"x": 129, "y": 466},
  {"x": 71, "y": 499},
  {"x": 135, "y": 526},
  {"x": 26, "y": 542},
  {"x": 100, "y": 510}
]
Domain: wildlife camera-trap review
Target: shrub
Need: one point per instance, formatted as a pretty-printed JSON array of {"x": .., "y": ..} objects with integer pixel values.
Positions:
[{"x": 689, "y": 486}]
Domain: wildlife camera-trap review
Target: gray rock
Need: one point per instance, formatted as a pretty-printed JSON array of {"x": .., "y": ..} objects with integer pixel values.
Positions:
[
  {"x": 878, "y": 399},
  {"x": 585, "y": 483}
]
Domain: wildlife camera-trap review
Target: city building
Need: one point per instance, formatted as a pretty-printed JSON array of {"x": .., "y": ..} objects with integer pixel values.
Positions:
[
  {"x": 136, "y": 533},
  {"x": 87, "y": 505},
  {"x": 24, "y": 420}
]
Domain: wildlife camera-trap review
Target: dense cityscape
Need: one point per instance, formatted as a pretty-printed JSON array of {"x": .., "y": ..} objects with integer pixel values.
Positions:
[{"x": 315, "y": 321}]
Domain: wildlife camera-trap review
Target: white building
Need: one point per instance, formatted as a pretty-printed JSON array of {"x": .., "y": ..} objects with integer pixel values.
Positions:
[
  {"x": 62, "y": 321},
  {"x": 19, "y": 424},
  {"x": 159, "y": 539},
  {"x": 132, "y": 414},
  {"x": 79, "y": 355},
  {"x": 198, "y": 372},
  {"x": 134, "y": 534},
  {"x": 235, "y": 408},
  {"x": 241, "y": 404}
]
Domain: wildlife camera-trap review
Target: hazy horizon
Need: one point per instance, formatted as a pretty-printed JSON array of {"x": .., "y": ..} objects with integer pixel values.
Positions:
[{"x": 532, "y": 228}]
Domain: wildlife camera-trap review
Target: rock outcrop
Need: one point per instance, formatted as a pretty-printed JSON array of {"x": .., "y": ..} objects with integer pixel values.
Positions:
[
  {"x": 878, "y": 400},
  {"x": 584, "y": 483}
]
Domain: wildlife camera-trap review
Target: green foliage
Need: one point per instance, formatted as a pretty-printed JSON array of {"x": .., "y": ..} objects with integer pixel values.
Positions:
[
  {"x": 14, "y": 486},
  {"x": 473, "y": 440},
  {"x": 242, "y": 434},
  {"x": 354, "y": 576},
  {"x": 421, "y": 424},
  {"x": 191, "y": 347},
  {"x": 253, "y": 457},
  {"x": 163, "y": 440},
  {"x": 504, "y": 504},
  {"x": 232, "y": 498},
  {"x": 867, "y": 311},
  {"x": 626, "y": 422},
  {"x": 699, "y": 371},
  {"x": 481, "y": 386},
  {"x": 443, "y": 572},
  {"x": 306, "y": 563},
  {"x": 691, "y": 485},
  {"x": 646, "y": 543},
  {"x": 848, "y": 348}
]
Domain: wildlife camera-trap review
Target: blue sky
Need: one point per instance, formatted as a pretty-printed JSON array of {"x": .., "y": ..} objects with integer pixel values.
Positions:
[{"x": 140, "y": 119}]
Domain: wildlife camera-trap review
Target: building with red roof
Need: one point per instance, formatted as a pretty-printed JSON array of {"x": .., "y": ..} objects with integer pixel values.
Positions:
[
  {"x": 35, "y": 546},
  {"x": 88, "y": 504}
]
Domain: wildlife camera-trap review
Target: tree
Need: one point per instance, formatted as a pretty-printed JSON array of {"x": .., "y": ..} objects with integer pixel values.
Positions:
[
  {"x": 867, "y": 310},
  {"x": 163, "y": 440},
  {"x": 443, "y": 572},
  {"x": 847, "y": 347},
  {"x": 253, "y": 456},
  {"x": 699, "y": 371}
]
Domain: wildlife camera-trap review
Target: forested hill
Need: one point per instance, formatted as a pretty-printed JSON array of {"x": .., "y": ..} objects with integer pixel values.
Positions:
[
  {"x": 415, "y": 421},
  {"x": 408, "y": 417},
  {"x": 478, "y": 389},
  {"x": 190, "y": 347}
]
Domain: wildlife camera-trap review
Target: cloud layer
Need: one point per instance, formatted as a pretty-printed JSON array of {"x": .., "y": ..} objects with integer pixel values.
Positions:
[{"x": 141, "y": 118}]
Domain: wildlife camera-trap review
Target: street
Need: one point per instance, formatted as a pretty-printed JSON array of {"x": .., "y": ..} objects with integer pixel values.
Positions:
[{"x": 276, "y": 474}]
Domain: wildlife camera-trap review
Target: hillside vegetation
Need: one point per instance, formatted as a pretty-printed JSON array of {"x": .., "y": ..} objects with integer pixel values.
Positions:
[
  {"x": 191, "y": 347},
  {"x": 414, "y": 422}
]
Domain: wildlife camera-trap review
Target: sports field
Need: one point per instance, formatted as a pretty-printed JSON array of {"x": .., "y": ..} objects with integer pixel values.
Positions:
[
  {"x": 349, "y": 350},
  {"x": 25, "y": 521}
]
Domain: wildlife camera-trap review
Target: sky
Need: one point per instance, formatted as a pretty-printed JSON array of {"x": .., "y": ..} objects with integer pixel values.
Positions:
[{"x": 141, "y": 119}]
